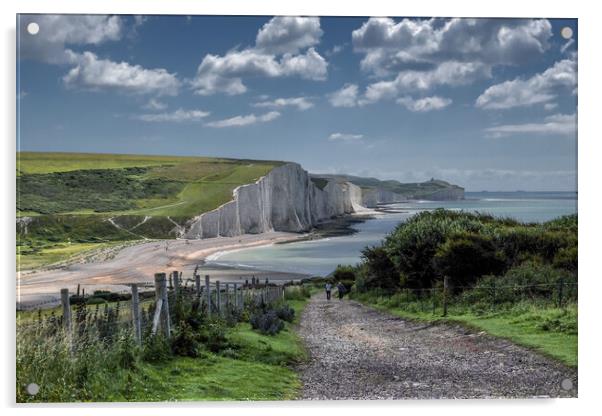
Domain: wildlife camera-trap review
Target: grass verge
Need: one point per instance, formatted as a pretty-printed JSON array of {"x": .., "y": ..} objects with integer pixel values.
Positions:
[{"x": 253, "y": 367}]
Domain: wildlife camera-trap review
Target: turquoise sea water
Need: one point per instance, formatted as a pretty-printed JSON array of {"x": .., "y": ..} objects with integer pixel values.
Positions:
[{"x": 320, "y": 257}]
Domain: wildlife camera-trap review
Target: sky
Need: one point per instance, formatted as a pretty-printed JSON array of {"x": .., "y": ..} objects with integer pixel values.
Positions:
[{"x": 488, "y": 104}]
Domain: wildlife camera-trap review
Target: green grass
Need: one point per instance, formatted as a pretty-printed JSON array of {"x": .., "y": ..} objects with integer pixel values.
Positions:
[
  {"x": 58, "y": 253},
  {"x": 49, "y": 162},
  {"x": 255, "y": 367},
  {"x": 547, "y": 329},
  {"x": 213, "y": 377},
  {"x": 259, "y": 368},
  {"x": 64, "y": 183}
]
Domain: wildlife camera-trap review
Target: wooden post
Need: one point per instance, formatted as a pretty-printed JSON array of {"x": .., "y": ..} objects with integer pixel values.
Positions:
[
  {"x": 445, "y": 294},
  {"x": 66, "y": 310},
  {"x": 161, "y": 293},
  {"x": 78, "y": 290},
  {"x": 208, "y": 294},
  {"x": 218, "y": 298},
  {"x": 176, "y": 283},
  {"x": 197, "y": 285},
  {"x": 227, "y": 295},
  {"x": 136, "y": 314},
  {"x": 236, "y": 304}
]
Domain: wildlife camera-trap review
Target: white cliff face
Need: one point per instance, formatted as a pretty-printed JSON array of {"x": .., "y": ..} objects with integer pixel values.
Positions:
[{"x": 285, "y": 199}]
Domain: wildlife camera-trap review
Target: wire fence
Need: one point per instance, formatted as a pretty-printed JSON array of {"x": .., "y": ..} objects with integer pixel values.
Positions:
[
  {"x": 491, "y": 297},
  {"x": 145, "y": 312}
]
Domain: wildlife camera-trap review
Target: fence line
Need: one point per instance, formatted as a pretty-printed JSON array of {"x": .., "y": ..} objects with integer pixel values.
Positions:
[{"x": 214, "y": 298}]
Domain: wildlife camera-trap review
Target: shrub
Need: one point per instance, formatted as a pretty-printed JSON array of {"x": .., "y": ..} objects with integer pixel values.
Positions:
[
  {"x": 285, "y": 312},
  {"x": 156, "y": 348},
  {"x": 466, "y": 257},
  {"x": 184, "y": 341},
  {"x": 379, "y": 271},
  {"x": 266, "y": 322},
  {"x": 296, "y": 292}
]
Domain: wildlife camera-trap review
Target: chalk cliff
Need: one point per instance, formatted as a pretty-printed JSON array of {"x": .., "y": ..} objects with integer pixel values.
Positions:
[
  {"x": 286, "y": 199},
  {"x": 289, "y": 199}
]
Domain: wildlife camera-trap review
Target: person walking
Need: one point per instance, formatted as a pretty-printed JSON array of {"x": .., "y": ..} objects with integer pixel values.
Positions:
[
  {"x": 341, "y": 289},
  {"x": 328, "y": 288}
]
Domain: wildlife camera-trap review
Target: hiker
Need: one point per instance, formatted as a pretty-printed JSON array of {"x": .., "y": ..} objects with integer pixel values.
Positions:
[
  {"x": 328, "y": 288},
  {"x": 341, "y": 289}
]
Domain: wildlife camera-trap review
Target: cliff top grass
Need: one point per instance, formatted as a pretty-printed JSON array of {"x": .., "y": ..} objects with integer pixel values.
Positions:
[{"x": 118, "y": 184}]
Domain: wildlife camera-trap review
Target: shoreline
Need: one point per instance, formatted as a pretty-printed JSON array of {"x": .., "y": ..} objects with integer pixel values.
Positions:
[{"x": 137, "y": 263}]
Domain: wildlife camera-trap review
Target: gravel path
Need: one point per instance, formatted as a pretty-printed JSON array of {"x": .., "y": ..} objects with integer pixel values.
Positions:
[{"x": 359, "y": 353}]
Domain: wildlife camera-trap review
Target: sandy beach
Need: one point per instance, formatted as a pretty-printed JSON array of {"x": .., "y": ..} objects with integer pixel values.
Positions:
[{"x": 139, "y": 263}]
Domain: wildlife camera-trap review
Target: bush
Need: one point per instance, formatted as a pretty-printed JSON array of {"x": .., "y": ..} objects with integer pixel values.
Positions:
[
  {"x": 296, "y": 292},
  {"x": 466, "y": 257},
  {"x": 285, "y": 312},
  {"x": 266, "y": 322},
  {"x": 156, "y": 348},
  {"x": 185, "y": 342},
  {"x": 378, "y": 271}
]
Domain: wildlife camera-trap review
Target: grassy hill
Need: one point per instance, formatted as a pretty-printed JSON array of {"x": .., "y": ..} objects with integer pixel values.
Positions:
[
  {"x": 417, "y": 190},
  {"x": 83, "y": 198}
]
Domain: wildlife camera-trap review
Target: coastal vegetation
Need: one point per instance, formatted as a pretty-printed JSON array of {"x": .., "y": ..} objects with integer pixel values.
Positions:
[
  {"x": 206, "y": 358},
  {"x": 511, "y": 279}
]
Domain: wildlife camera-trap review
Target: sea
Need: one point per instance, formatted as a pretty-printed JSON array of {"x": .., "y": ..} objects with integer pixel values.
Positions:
[{"x": 320, "y": 257}]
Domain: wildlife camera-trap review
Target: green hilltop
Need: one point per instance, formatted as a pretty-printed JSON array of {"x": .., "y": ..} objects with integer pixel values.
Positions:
[{"x": 70, "y": 203}]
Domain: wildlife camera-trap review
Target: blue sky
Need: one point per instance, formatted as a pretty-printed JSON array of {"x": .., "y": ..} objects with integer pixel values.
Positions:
[{"x": 489, "y": 104}]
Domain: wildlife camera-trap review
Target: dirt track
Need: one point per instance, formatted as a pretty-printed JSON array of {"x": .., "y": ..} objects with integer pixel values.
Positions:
[{"x": 359, "y": 353}]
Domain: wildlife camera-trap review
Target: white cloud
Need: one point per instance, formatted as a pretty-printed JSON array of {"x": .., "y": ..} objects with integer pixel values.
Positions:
[
  {"x": 539, "y": 89},
  {"x": 302, "y": 103},
  {"x": 555, "y": 125},
  {"x": 423, "y": 54},
  {"x": 57, "y": 31},
  {"x": 288, "y": 34},
  {"x": 275, "y": 55},
  {"x": 391, "y": 46},
  {"x": 345, "y": 137},
  {"x": 424, "y": 104},
  {"x": 246, "y": 120},
  {"x": 448, "y": 73},
  {"x": 155, "y": 105},
  {"x": 93, "y": 73},
  {"x": 345, "y": 97},
  {"x": 178, "y": 116}
]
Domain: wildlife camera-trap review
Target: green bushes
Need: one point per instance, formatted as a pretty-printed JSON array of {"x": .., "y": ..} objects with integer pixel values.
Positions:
[
  {"x": 296, "y": 292},
  {"x": 99, "y": 190},
  {"x": 464, "y": 257},
  {"x": 464, "y": 247},
  {"x": 269, "y": 319}
]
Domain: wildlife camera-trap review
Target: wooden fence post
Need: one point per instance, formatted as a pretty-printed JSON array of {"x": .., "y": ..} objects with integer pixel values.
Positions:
[
  {"x": 136, "y": 314},
  {"x": 197, "y": 285},
  {"x": 445, "y": 294},
  {"x": 163, "y": 306},
  {"x": 236, "y": 304},
  {"x": 227, "y": 295},
  {"x": 218, "y": 298},
  {"x": 208, "y": 294},
  {"x": 176, "y": 283},
  {"x": 66, "y": 310}
]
